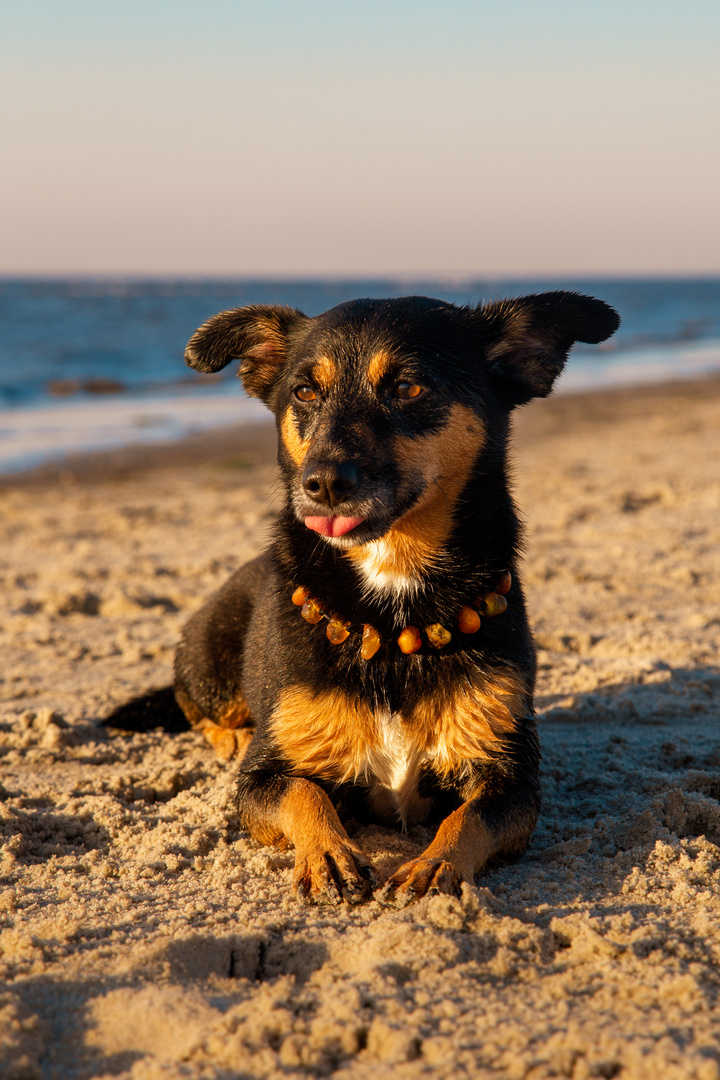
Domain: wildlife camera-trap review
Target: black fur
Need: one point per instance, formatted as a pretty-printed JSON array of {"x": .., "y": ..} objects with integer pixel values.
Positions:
[{"x": 249, "y": 640}]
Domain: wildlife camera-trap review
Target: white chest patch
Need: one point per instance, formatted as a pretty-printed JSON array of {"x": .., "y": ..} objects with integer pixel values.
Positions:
[
  {"x": 378, "y": 575},
  {"x": 394, "y": 764}
]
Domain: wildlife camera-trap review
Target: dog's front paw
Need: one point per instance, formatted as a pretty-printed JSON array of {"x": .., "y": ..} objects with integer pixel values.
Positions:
[
  {"x": 328, "y": 877},
  {"x": 422, "y": 877}
]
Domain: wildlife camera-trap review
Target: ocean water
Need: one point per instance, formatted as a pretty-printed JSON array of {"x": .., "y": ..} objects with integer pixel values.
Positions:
[{"x": 98, "y": 363}]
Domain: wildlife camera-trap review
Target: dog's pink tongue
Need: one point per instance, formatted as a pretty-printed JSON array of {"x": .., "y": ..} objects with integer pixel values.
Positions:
[{"x": 332, "y": 526}]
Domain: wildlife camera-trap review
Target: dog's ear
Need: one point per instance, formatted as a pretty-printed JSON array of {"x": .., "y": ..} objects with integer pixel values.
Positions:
[
  {"x": 257, "y": 336},
  {"x": 528, "y": 339}
]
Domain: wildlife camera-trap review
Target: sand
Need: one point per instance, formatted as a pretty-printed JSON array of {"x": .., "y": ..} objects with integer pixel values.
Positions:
[{"x": 143, "y": 936}]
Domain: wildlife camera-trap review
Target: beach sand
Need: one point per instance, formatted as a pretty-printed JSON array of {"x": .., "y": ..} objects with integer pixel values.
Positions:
[{"x": 143, "y": 936}]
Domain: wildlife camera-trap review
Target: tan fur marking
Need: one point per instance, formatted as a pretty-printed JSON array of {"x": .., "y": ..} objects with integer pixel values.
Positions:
[
  {"x": 304, "y": 817},
  {"x": 326, "y": 735},
  {"x": 193, "y": 714},
  {"x": 467, "y": 726},
  {"x": 444, "y": 459},
  {"x": 226, "y": 742},
  {"x": 296, "y": 446},
  {"x": 466, "y": 842},
  {"x": 462, "y": 846},
  {"x": 463, "y": 841},
  {"x": 261, "y": 361},
  {"x": 230, "y": 736},
  {"x": 331, "y": 736},
  {"x": 325, "y": 373},
  {"x": 234, "y": 715},
  {"x": 378, "y": 366},
  {"x": 327, "y": 862},
  {"x": 309, "y": 819}
]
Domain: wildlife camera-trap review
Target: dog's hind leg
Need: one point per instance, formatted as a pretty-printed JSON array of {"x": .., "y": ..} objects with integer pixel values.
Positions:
[
  {"x": 208, "y": 664},
  {"x": 227, "y": 742}
]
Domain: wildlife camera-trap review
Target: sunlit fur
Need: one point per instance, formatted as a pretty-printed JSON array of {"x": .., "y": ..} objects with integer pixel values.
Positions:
[
  {"x": 331, "y": 735},
  {"x": 394, "y": 413},
  {"x": 442, "y": 462}
]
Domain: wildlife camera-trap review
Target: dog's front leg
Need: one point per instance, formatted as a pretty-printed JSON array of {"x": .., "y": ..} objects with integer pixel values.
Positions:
[
  {"x": 290, "y": 809},
  {"x": 498, "y": 820}
]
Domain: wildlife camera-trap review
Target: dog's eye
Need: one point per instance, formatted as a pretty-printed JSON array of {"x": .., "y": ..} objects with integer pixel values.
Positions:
[
  {"x": 305, "y": 393},
  {"x": 407, "y": 390}
]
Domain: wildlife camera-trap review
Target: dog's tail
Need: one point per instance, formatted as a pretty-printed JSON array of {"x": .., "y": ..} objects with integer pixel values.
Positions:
[{"x": 156, "y": 709}]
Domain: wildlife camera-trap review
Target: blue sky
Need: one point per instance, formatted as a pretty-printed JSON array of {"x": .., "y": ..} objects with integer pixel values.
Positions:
[{"x": 370, "y": 138}]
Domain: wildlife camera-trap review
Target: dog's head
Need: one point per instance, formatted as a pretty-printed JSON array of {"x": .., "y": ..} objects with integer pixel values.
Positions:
[{"x": 384, "y": 406}]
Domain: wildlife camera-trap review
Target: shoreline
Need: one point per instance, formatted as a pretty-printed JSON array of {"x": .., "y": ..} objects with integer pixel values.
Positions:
[{"x": 255, "y": 442}]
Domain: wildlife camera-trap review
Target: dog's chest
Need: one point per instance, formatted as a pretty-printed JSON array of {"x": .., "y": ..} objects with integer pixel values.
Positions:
[
  {"x": 334, "y": 736},
  {"x": 392, "y": 767},
  {"x": 385, "y": 576}
]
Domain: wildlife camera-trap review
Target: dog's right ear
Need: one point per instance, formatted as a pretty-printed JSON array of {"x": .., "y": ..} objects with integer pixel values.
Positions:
[
  {"x": 527, "y": 340},
  {"x": 257, "y": 336}
]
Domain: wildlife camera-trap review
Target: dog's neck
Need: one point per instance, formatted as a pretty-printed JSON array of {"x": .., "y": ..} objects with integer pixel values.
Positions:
[
  {"x": 340, "y": 597},
  {"x": 412, "y": 638}
]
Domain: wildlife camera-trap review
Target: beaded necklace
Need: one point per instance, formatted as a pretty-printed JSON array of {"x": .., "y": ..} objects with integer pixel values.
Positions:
[{"x": 409, "y": 641}]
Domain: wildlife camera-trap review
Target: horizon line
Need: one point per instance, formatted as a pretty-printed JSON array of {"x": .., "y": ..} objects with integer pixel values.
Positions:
[{"x": 396, "y": 276}]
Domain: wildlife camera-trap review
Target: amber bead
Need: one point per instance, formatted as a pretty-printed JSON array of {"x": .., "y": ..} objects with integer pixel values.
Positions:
[
  {"x": 312, "y": 611},
  {"x": 468, "y": 620},
  {"x": 337, "y": 631},
  {"x": 494, "y": 604},
  {"x": 504, "y": 583},
  {"x": 370, "y": 642},
  {"x": 410, "y": 640},
  {"x": 437, "y": 635},
  {"x": 300, "y": 596}
]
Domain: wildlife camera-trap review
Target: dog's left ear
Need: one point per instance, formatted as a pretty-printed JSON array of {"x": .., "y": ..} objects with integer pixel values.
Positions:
[
  {"x": 528, "y": 339},
  {"x": 256, "y": 335}
]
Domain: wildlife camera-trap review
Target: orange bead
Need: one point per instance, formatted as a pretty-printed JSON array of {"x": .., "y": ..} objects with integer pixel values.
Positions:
[
  {"x": 410, "y": 640},
  {"x": 300, "y": 596},
  {"x": 437, "y": 635},
  {"x": 494, "y": 604},
  {"x": 312, "y": 611},
  {"x": 504, "y": 583},
  {"x": 468, "y": 620},
  {"x": 371, "y": 642},
  {"x": 337, "y": 631}
]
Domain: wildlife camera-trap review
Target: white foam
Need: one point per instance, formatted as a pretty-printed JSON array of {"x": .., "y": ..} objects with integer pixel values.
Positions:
[
  {"x": 640, "y": 367},
  {"x": 34, "y": 434}
]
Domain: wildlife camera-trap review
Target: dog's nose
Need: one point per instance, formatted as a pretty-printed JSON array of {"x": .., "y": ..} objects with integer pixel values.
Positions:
[{"x": 330, "y": 482}]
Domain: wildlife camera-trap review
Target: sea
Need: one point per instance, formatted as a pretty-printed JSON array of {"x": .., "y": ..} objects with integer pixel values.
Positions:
[{"x": 97, "y": 363}]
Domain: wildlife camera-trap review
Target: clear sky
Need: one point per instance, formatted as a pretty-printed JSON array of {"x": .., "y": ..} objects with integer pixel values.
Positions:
[{"x": 322, "y": 137}]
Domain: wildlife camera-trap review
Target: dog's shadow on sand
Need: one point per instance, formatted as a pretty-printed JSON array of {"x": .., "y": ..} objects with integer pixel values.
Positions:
[
  {"x": 625, "y": 766},
  {"x": 150, "y": 1006},
  {"x": 669, "y": 696}
]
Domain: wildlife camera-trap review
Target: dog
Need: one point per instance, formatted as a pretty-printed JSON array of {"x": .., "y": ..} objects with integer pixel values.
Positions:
[{"x": 376, "y": 662}]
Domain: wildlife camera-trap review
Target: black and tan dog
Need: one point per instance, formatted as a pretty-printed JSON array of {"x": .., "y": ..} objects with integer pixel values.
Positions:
[{"x": 355, "y": 661}]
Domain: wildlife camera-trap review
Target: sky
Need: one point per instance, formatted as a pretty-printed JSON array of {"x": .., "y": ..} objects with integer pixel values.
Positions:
[{"x": 412, "y": 138}]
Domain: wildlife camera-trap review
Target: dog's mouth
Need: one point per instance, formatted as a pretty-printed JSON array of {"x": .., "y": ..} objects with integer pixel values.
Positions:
[
  {"x": 332, "y": 526},
  {"x": 369, "y": 519},
  {"x": 362, "y": 515}
]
